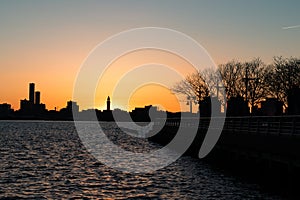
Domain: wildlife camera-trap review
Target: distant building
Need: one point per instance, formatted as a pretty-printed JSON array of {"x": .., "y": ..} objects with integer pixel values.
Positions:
[
  {"x": 108, "y": 103},
  {"x": 89, "y": 115},
  {"x": 205, "y": 106},
  {"x": 33, "y": 106},
  {"x": 37, "y": 98},
  {"x": 237, "y": 106},
  {"x": 106, "y": 115},
  {"x": 31, "y": 92},
  {"x": 26, "y": 107},
  {"x": 294, "y": 101},
  {"x": 5, "y": 110},
  {"x": 71, "y": 107},
  {"x": 121, "y": 115},
  {"x": 67, "y": 112},
  {"x": 271, "y": 107},
  {"x": 141, "y": 114}
]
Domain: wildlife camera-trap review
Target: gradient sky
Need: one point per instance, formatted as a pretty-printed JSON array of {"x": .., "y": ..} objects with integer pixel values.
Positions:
[{"x": 46, "y": 41}]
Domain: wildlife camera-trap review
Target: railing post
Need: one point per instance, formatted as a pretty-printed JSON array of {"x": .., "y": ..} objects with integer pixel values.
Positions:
[
  {"x": 257, "y": 126},
  {"x": 294, "y": 125},
  {"x": 268, "y": 125},
  {"x": 279, "y": 128},
  {"x": 249, "y": 124}
]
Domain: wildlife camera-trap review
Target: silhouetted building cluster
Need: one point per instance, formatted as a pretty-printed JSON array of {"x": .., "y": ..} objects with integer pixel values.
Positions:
[
  {"x": 236, "y": 106},
  {"x": 32, "y": 107}
]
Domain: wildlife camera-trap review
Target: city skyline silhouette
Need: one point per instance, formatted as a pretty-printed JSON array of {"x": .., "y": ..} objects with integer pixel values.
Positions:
[{"x": 46, "y": 43}]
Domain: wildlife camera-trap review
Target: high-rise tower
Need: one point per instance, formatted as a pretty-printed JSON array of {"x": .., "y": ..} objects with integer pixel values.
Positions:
[
  {"x": 37, "y": 97},
  {"x": 108, "y": 103},
  {"x": 31, "y": 93}
]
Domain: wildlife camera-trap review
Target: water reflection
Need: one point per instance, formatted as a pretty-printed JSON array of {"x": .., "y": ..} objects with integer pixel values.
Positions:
[{"x": 45, "y": 160}]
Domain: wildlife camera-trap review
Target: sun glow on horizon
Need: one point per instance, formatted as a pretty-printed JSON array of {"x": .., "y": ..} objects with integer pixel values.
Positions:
[
  {"x": 46, "y": 42},
  {"x": 142, "y": 72}
]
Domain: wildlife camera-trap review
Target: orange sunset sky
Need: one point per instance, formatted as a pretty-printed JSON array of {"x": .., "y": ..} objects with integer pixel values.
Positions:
[{"x": 46, "y": 42}]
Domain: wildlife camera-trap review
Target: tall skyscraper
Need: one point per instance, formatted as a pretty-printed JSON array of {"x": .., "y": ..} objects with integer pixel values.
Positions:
[
  {"x": 37, "y": 97},
  {"x": 108, "y": 103},
  {"x": 31, "y": 93}
]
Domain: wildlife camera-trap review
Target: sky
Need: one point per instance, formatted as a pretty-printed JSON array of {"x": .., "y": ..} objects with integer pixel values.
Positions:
[{"x": 46, "y": 42}]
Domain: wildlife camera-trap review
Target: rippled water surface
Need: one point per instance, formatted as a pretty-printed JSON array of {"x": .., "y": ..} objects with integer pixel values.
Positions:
[{"x": 46, "y": 160}]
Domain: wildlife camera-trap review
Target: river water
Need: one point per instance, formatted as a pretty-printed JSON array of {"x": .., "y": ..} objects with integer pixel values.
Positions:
[{"x": 47, "y": 160}]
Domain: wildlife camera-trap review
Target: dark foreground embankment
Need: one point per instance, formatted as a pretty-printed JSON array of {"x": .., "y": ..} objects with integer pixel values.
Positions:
[{"x": 265, "y": 150}]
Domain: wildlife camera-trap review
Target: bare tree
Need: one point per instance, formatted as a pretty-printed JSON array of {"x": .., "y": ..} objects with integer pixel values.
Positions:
[
  {"x": 212, "y": 80},
  {"x": 232, "y": 78},
  {"x": 200, "y": 85},
  {"x": 193, "y": 86},
  {"x": 281, "y": 76},
  {"x": 253, "y": 73},
  {"x": 244, "y": 80},
  {"x": 183, "y": 87},
  {"x": 252, "y": 80}
]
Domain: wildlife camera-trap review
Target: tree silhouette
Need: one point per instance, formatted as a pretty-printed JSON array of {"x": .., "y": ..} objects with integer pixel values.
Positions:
[
  {"x": 232, "y": 78},
  {"x": 253, "y": 80},
  {"x": 199, "y": 85},
  {"x": 244, "y": 80},
  {"x": 193, "y": 86},
  {"x": 254, "y": 71},
  {"x": 281, "y": 76}
]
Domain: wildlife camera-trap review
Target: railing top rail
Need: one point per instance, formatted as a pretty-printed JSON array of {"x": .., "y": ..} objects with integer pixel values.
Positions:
[{"x": 231, "y": 117}]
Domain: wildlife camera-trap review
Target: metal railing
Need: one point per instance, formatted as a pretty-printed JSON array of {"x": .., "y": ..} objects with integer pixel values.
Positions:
[{"x": 276, "y": 125}]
